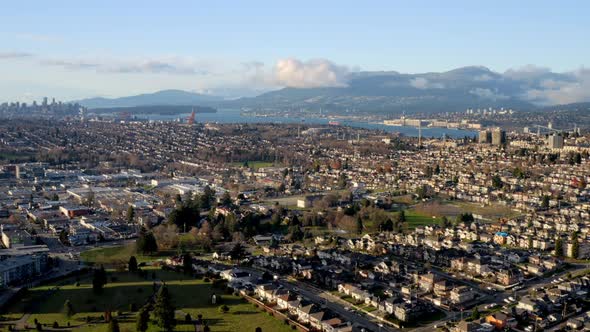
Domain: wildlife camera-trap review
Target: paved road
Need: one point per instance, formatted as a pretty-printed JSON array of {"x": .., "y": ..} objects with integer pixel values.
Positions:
[
  {"x": 322, "y": 298},
  {"x": 337, "y": 305}
]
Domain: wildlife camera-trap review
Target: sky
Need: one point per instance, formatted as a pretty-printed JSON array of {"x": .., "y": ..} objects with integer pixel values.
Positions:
[{"x": 77, "y": 49}]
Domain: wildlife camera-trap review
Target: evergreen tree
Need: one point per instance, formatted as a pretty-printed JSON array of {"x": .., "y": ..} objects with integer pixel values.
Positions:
[
  {"x": 545, "y": 202},
  {"x": 187, "y": 263},
  {"x": 237, "y": 252},
  {"x": 359, "y": 225},
  {"x": 575, "y": 246},
  {"x": 402, "y": 216},
  {"x": 164, "y": 310},
  {"x": 130, "y": 214},
  {"x": 143, "y": 317},
  {"x": 146, "y": 242},
  {"x": 99, "y": 279},
  {"x": 559, "y": 247},
  {"x": 132, "y": 266}
]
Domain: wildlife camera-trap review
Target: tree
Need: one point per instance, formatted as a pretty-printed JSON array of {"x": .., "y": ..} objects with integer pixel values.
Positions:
[
  {"x": 146, "y": 242},
  {"x": 113, "y": 325},
  {"x": 89, "y": 198},
  {"x": 237, "y": 252},
  {"x": 130, "y": 214},
  {"x": 132, "y": 264},
  {"x": 164, "y": 310},
  {"x": 166, "y": 236},
  {"x": 445, "y": 222},
  {"x": 359, "y": 225},
  {"x": 558, "y": 247},
  {"x": 402, "y": 216},
  {"x": 545, "y": 202},
  {"x": 187, "y": 263},
  {"x": 143, "y": 317},
  {"x": 575, "y": 246},
  {"x": 68, "y": 309},
  {"x": 99, "y": 279},
  {"x": 295, "y": 233},
  {"x": 387, "y": 226},
  {"x": 226, "y": 199},
  {"x": 475, "y": 314},
  {"x": 497, "y": 182}
]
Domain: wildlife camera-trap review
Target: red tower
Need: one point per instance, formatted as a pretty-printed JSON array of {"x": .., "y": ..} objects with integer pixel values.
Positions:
[{"x": 191, "y": 118}]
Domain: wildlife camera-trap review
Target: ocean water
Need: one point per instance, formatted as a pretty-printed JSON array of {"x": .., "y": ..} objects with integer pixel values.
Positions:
[{"x": 235, "y": 116}]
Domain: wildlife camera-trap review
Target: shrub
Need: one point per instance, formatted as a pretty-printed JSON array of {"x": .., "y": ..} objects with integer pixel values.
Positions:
[{"x": 223, "y": 308}]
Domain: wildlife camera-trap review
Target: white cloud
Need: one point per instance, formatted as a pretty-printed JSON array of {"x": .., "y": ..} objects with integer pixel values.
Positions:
[
  {"x": 575, "y": 89},
  {"x": 488, "y": 94},
  {"x": 309, "y": 74},
  {"x": 423, "y": 83},
  {"x": 483, "y": 78},
  {"x": 527, "y": 72}
]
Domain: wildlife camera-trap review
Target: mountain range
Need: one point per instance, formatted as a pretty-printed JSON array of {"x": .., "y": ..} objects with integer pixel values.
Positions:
[
  {"x": 378, "y": 92},
  {"x": 164, "y": 97}
]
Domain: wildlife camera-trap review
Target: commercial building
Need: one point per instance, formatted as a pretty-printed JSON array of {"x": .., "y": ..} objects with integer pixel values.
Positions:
[
  {"x": 485, "y": 137},
  {"x": 21, "y": 264},
  {"x": 555, "y": 141},
  {"x": 498, "y": 137}
]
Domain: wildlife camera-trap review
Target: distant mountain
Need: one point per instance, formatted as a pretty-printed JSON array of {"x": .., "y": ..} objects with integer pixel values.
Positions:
[
  {"x": 156, "y": 109},
  {"x": 383, "y": 92},
  {"x": 393, "y": 92},
  {"x": 164, "y": 97}
]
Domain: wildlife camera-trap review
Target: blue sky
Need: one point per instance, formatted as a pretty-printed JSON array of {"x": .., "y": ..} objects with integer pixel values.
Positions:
[{"x": 115, "y": 48}]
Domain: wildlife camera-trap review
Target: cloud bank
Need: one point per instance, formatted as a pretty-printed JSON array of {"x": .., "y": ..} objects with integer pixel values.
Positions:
[
  {"x": 14, "y": 55},
  {"x": 423, "y": 83},
  {"x": 545, "y": 87},
  {"x": 167, "y": 65},
  {"x": 574, "y": 88}
]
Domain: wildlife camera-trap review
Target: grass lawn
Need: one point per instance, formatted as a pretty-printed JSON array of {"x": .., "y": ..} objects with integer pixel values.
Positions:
[
  {"x": 255, "y": 164},
  {"x": 16, "y": 157},
  {"x": 188, "y": 295},
  {"x": 118, "y": 255},
  {"x": 415, "y": 219},
  {"x": 452, "y": 208}
]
